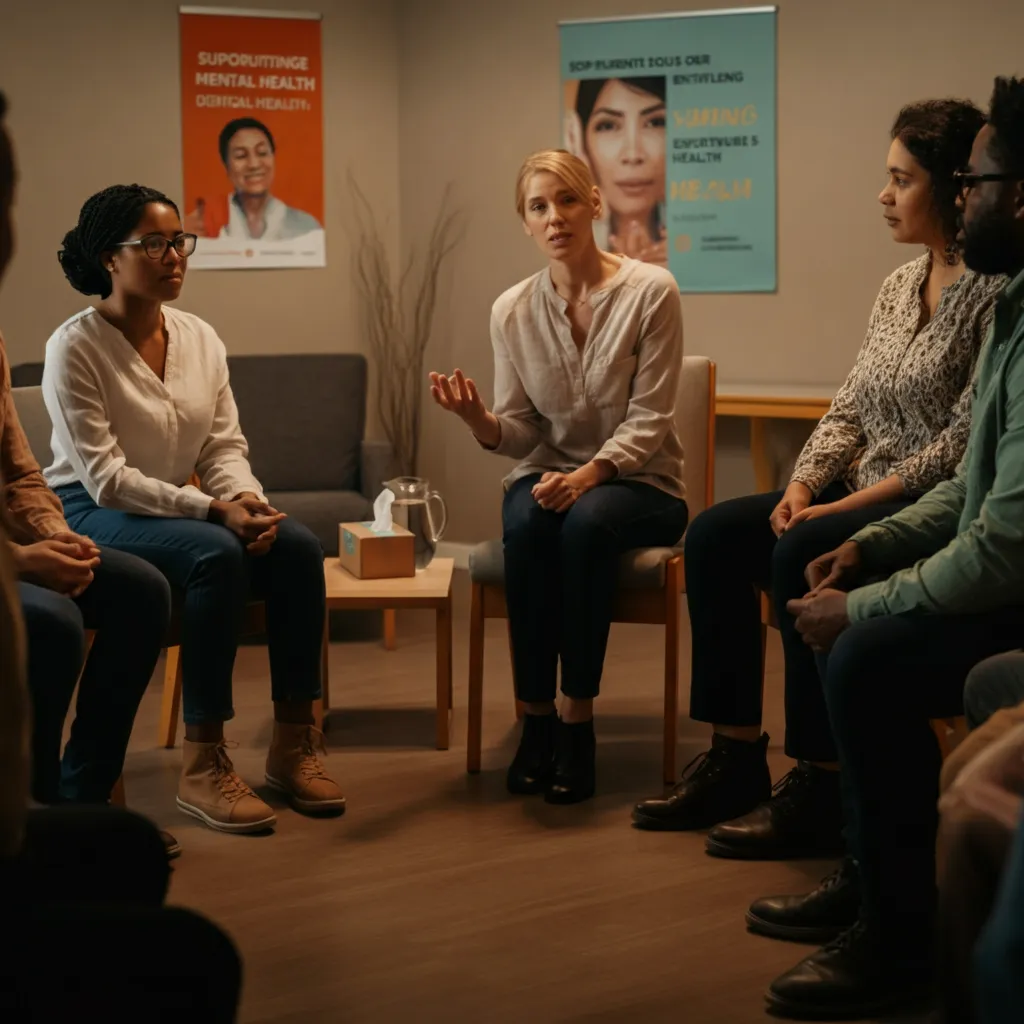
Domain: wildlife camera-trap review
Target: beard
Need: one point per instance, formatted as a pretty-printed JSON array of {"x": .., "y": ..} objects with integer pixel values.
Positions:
[{"x": 989, "y": 243}]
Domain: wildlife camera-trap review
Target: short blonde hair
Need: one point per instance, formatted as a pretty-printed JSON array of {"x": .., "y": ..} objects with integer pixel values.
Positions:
[{"x": 560, "y": 162}]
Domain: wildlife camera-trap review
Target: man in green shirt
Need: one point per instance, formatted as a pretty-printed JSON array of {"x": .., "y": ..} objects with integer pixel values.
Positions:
[{"x": 900, "y": 613}]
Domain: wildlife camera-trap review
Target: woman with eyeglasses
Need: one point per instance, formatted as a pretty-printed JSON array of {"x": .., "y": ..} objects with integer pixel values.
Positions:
[
  {"x": 149, "y": 458},
  {"x": 897, "y": 427}
]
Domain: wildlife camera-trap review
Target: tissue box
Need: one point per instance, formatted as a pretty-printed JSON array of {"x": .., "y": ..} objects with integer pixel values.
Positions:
[{"x": 376, "y": 556}]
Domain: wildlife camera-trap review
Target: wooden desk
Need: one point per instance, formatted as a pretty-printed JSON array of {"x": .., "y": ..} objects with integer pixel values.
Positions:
[
  {"x": 431, "y": 588},
  {"x": 760, "y": 405}
]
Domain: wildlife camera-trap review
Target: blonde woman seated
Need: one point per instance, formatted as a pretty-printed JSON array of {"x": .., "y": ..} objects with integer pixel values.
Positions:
[
  {"x": 139, "y": 395},
  {"x": 587, "y": 357}
]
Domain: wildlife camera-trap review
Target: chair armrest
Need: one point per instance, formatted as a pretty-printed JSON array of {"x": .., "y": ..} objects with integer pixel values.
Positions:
[{"x": 376, "y": 464}]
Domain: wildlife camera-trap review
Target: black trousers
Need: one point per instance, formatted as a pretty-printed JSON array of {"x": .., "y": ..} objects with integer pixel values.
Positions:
[
  {"x": 884, "y": 679},
  {"x": 730, "y": 550},
  {"x": 88, "y": 936},
  {"x": 561, "y": 577}
]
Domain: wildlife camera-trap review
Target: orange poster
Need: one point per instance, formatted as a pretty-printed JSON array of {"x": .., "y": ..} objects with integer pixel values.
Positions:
[{"x": 252, "y": 137}]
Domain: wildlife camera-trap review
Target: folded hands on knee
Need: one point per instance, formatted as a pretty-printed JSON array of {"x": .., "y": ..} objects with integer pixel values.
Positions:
[
  {"x": 251, "y": 519},
  {"x": 63, "y": 563},
  {"x": 821, "y": 615}
]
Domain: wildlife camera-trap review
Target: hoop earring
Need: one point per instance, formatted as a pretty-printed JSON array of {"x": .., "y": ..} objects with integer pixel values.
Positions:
[{"x": 952, "y": 254}]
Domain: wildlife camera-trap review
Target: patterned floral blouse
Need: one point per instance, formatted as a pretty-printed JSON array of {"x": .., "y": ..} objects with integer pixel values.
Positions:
[{"x": 905, "y": 409}]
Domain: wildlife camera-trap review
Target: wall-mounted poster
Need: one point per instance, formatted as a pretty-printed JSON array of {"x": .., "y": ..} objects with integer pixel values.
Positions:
[
  {"x": 252, "y": 137},
  {"x": 675, "y": 115}
]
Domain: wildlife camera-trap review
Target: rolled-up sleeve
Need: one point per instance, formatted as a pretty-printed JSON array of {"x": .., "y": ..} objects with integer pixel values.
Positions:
[{"x": 652, "y": 400}]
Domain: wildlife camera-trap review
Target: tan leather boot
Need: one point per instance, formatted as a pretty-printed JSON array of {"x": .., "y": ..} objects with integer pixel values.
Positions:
[
  {"x": 211, "y": 791},
  {"x": 294, "y": 768}
]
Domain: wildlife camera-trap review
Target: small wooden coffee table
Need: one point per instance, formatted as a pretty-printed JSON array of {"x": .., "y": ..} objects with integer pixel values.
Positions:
[{"x": 430, "y": 588}]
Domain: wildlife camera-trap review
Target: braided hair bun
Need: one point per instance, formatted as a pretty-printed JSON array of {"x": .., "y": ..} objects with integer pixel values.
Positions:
[{"x": 106, "y": 219}]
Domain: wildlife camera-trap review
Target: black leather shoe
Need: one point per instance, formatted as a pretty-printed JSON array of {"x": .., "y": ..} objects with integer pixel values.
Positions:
[
  {"x": 855, "y": 976},
  {"x": 817, "y": 916},
  {"x": 531, "y": 768},
  {"x": 724, "y": 782},
  {"x": 575, "y": 775},
  {"x": 802, "y": 818}
]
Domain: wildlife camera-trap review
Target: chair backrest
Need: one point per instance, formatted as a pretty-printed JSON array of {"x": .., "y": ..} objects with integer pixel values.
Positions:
[
  {"x": 303, "y": 416},
  {"x": 35, "y": 421},
  {"x": 26, "y": 375},
  {"x": 695, "y": 421}
]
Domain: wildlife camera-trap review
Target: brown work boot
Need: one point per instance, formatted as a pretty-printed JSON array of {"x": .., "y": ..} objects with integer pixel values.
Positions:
[
  {"x": 211, "y": 791},
  {"x": 294, "y": 768}
]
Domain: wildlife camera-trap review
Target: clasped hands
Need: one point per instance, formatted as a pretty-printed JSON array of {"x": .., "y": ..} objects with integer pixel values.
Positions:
[
  {"x": 821, "y": 615},
  {"x": 249, "y": 518},
  {"x": 63, "y": 563}
]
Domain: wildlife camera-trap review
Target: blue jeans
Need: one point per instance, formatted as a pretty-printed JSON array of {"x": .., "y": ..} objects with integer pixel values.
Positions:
[
  {"x": 209, "y": 564},
  {"x": 561, "y": 577},
  {"x": 884, "y": 679},
  {"x": 128, "y": 603}
]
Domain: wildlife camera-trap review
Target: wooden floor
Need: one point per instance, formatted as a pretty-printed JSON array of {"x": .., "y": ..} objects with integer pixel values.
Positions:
[{"x": 439, "y": 897}]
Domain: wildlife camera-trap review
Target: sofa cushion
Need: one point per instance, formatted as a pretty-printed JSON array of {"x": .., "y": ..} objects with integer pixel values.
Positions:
[
  {"x": 640, "y": 569},
  {"x": 322, "y": 511},
  {"x": 303, "y": 416}
]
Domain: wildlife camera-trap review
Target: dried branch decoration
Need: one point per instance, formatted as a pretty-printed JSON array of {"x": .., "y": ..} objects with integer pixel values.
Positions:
[{"x": 399, "y": 319}]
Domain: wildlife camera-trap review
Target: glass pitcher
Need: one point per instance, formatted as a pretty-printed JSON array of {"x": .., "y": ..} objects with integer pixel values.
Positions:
[{"x": 412, "y": 509}]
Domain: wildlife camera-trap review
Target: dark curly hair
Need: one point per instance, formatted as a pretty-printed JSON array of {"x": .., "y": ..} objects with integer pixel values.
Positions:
[
  {"x": 1006, "y": 116},
  {"x": 107, "y": 218},
  {"x": 939, "y": 135},
  {"x": 232, "y": 127}
]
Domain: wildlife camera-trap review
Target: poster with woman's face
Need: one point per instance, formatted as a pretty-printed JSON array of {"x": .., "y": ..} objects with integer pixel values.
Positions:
[{"x": 617, "y": 126}]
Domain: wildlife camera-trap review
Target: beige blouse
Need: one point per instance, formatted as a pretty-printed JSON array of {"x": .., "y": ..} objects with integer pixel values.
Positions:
[
  {"x": 905, "y": 409},
  {"x": 559, "y": 408}
]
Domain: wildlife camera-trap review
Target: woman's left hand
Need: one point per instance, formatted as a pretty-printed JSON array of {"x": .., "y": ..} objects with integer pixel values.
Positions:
[
  {"x": 555, "y": 492},
  {"x": 815, "y": 512}
]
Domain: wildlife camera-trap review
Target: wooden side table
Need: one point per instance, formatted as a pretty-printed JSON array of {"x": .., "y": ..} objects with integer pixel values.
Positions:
[{"x": 430, "y": 588}]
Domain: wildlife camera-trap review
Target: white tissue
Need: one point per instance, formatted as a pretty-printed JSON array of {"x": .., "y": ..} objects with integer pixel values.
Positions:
[{"x": 382, "y": 511}]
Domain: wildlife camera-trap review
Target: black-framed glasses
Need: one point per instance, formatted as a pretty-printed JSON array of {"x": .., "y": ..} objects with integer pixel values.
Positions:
[
  {"x": 966, "y": 180},
  {"x": 157, "y": 246}
]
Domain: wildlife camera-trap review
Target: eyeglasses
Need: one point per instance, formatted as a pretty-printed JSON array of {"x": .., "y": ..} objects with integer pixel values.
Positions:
[
  {"x": 966, "y": 181},
  {"x": 156, "y": 246}
]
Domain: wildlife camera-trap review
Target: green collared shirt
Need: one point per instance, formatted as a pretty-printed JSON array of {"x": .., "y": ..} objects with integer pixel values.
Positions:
[{"x": 963, "y": 541}]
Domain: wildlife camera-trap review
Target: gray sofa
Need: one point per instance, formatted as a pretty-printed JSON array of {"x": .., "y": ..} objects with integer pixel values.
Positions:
[{"x": 304, "y": 417}]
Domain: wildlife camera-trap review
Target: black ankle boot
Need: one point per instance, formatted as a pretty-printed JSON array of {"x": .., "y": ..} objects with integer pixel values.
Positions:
[
  {"x": 575, "y": 774},
  {"x": 531, "y": 768},
  {"x": 803, "y": 818},
  {"x": 728, "y": 780}
]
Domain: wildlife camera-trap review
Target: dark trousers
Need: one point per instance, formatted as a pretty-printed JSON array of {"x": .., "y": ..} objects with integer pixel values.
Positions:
[
  {"x": 884, "y": 679},
  {"x": 561, "y": 577},
  {"x": 210, "y": 565},
  {"x": 129, "y": 604},
  {"x": 88, "y": 936},
  {"x": 731, "y": 550}
]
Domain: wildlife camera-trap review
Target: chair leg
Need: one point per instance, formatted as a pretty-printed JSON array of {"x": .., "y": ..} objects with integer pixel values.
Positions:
[
  {"x": 390, "y": 629},
  {"x": 117, "y": 793},
  {"x": 476, "y": 679},
  {"x": 520, "y": 706},
  {"x": 673, "y": 610},
  {"x": 170, "y": 705}
]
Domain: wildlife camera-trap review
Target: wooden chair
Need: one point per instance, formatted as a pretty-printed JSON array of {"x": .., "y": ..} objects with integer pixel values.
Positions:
[
  {"x": 651, "y": 579},
  {"x": 948, "y": 731}
]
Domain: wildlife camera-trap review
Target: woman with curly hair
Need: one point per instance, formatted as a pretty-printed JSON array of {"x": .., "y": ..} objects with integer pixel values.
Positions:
[{"x": 896, "y": 428}]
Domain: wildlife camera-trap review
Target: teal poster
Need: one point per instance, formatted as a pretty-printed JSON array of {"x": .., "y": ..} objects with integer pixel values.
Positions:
[{"x": 675, "y": 115}]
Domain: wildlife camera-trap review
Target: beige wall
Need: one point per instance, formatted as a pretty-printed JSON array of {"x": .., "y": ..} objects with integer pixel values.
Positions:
[
  {"x": 94, "y": 94},
  {"x": 479, "y": 90},
  {"x": 422, "y": 92}
]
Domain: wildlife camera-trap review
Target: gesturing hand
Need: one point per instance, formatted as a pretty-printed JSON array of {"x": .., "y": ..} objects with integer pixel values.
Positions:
[
  {"x": 458, "y": 394},
  {"x": 555, "y": 493},
  {"x": 820, "y": 618},
  {"x": 840, "y": 569}
]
